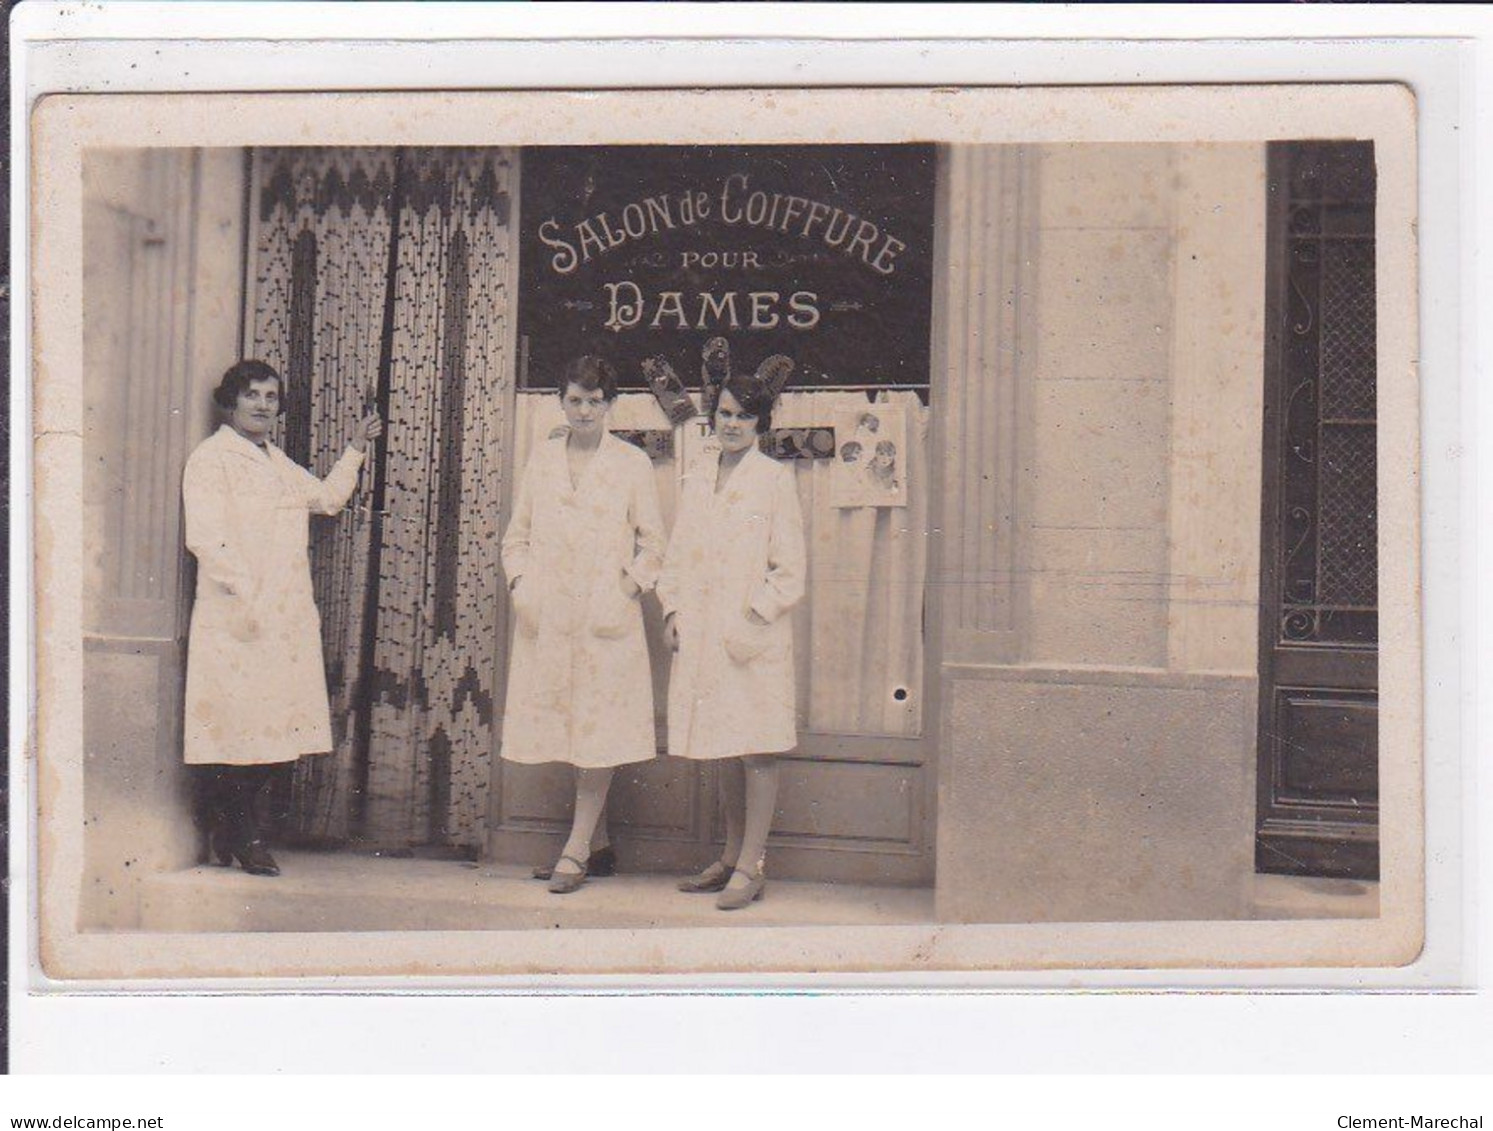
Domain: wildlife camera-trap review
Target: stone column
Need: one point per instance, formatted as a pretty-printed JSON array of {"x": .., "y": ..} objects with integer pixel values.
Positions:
[{"x": 162, "y": 282}]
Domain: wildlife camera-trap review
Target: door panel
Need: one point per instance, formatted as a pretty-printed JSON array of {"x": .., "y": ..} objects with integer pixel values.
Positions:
[
  {"x": 1328, "y": 751},
  {"x": 849, "y": 801},
  {"x": 1318, "y": 745}
]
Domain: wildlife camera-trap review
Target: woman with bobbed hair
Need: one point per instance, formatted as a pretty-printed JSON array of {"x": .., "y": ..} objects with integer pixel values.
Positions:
[
  {"x": 584, "y": 544},
  {"x": 256, "y": 686},
  {"x": 735, "y": 569}
]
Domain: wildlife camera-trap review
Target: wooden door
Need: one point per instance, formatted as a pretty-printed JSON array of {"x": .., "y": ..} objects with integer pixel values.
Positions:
[
  {"x": 1318, "y": 737},
  {"x": 856, "y": 799}
]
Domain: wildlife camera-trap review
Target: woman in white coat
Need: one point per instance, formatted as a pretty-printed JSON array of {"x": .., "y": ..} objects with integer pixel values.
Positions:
[
  {"x": 585, "y": 542},
  {"x": 734, "y": 570},
  {"x": 256, "y": 685}
]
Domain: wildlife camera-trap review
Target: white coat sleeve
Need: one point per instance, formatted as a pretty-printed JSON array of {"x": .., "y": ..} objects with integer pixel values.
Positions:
[
  {"x": 517, "y": 538},
  {"x": 648, "y": 528},
  {"x": 787, "y": 561},
  {"x": 330, "y": 495},
  {"x": 207, "y": 499},
  {"x": 672, "y": 576}
]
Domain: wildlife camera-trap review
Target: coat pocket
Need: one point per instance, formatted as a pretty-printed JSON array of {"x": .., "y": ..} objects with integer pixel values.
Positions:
[
  {"x": 611, "y": 611},
  {"x": 526, "y": 608},
  {"x": 745, "y": 641}
]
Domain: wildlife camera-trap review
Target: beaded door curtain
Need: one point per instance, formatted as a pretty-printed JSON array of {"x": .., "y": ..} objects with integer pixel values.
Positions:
[{"x": 379, "y": 276}]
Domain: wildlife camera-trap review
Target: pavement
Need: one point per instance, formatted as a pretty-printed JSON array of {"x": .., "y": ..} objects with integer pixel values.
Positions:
[
  {"x": 1304, "y": 897},
  {"x": 342, "y": 891},
  {"x": 356, "y": 892}
]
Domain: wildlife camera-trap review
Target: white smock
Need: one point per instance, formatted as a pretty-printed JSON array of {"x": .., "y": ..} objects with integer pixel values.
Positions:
[
  {"x": 739, "y": 550},
  {"x": 256, "y": 681},
  {"x": 580, "y": 689}
]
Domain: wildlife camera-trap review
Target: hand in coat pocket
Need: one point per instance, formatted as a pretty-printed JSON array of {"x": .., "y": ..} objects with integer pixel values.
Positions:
[
  {"x": 611, "y": 609},
  {"x": 747, "y": 639},
  {"x": 525, "y": 609}
]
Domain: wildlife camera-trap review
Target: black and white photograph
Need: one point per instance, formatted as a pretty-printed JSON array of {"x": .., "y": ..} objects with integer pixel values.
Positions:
[{"x": 728, "y": 531}]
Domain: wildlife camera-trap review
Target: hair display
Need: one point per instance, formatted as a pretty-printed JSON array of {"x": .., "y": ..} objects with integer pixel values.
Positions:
[{"x": 757, "y": 393}]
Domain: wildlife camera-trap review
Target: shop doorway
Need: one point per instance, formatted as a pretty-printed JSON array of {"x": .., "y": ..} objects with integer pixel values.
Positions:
[
  {"x": 391, "y": 277},
  {"x": 1318, "y": 748},
  {"x": 823, "y": 254},
  {"x": 856, "y": 800}
]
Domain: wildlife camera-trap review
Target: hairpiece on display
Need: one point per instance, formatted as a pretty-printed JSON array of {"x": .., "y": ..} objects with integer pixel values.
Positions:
[
  {"x": 668, "y": 390},
  {"x": 715, "y": 368}
]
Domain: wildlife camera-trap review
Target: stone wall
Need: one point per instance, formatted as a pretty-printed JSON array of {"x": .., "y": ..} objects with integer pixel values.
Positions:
[
  {"x": 162, "y": 291},
  {"x": 1103, "y": 767}
]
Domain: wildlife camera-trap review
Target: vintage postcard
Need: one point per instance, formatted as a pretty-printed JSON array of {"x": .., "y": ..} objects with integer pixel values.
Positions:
[{"x": 886, "y": 531}]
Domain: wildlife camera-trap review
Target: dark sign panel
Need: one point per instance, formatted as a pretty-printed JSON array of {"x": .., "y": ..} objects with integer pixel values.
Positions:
[{"x": 823, "y": 253}]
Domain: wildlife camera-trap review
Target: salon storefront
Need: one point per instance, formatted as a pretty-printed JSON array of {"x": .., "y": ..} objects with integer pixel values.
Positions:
[{"x": 1025, "y": 416}]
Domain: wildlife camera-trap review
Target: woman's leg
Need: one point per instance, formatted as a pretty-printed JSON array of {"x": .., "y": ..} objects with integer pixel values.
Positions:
[
  {"x": 734, "y": 801},
  {"x": 747, "y": 881},
  {"x": 591, "y": 788},
  {"x": 233, "y": 793},
  {"x": 761, "y": 789},
  {"x": 602, "y": 836},
  {"x": 257, "y": 779},
  {"x": 214, "y": 815},
  {"x": 732, "y": 785},
  {"x": 243, "y": 786}
]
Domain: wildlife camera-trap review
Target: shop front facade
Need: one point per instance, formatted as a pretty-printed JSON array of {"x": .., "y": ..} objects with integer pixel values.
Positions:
[{"x": 1029, "y": 673}]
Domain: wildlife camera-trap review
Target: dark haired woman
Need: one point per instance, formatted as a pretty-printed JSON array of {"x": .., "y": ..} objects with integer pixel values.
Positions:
[
  {"x": 734, "y": 570},
  {"x": 585, "y": 542},
  {"x": 256, "y": 686}
]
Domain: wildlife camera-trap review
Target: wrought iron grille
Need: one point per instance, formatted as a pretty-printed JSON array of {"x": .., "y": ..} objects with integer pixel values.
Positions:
[{"x": 1329, "y": 521}]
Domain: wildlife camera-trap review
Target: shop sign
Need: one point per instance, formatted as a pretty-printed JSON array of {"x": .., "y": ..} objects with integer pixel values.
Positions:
[{"x": 820, "y": 253}]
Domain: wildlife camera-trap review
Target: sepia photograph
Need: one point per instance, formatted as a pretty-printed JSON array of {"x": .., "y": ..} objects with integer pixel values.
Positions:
[{"x": 670, "y": 532}]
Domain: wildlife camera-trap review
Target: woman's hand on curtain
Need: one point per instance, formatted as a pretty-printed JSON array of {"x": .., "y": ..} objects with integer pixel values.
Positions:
[
  {"x": 371, "y": 427},
  {"x": 671, "y": 632}
]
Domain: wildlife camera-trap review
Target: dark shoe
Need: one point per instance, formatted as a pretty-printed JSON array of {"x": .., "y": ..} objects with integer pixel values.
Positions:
[
  {"x": 563, "y": 883},
  {"x": 735, "y": 898},
  {"x": 256, "y": 859},
  {"x": 602, "y": 862},
  {"x": 713, "y": 878},
  {"x": 222, "y": 845}
]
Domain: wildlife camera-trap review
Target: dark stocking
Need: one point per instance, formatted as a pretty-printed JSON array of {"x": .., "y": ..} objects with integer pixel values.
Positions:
[{"x": 240, "y": 822}]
